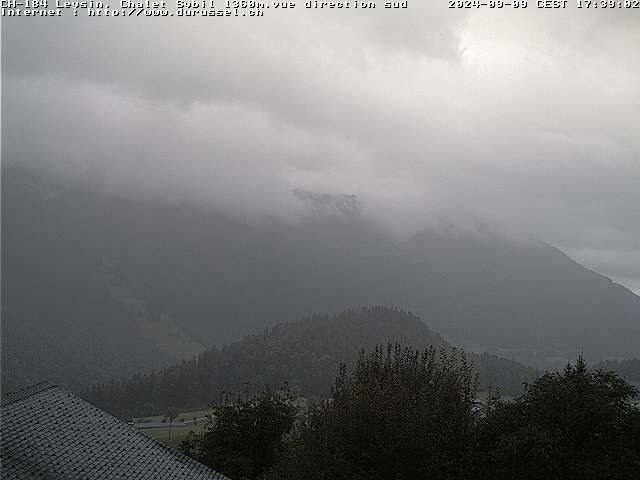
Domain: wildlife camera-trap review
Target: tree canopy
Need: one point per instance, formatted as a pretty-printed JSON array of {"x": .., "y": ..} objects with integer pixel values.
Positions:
[
  {"x": 403, "y": 413},
  {"x": 247, "y": 434},
  {"x": 578, "y": 423}
]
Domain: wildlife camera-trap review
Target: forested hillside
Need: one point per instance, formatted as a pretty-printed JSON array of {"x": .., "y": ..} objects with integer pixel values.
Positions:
[
  {"x": 627, "y": 369},
  {"x": 304, "y": 354}
]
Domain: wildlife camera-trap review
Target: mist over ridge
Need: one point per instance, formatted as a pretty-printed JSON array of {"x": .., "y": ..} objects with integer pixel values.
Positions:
[
  {"x": 526, "y": 122},
  {"x": 143, "y": 283}
]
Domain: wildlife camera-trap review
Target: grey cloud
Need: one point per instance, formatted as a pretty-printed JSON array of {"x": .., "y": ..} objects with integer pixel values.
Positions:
[{"x": 527, "y": 120}]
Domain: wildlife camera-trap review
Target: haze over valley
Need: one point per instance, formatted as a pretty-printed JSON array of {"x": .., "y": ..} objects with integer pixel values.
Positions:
[{"x": 101, "y": 286}]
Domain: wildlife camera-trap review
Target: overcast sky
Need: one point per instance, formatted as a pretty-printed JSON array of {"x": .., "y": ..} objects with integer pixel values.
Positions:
[{"x": 528, "y": 119}]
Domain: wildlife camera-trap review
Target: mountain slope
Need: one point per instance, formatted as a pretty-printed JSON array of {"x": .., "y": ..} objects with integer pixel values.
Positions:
[
  {"x": 66, "y": 316},
  {"x": 98, "y": 285},
  {"x": 305, "y": 354}
]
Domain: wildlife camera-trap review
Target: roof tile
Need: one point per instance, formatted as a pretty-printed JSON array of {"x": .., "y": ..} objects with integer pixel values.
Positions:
[{"x": 49, "y": 433}]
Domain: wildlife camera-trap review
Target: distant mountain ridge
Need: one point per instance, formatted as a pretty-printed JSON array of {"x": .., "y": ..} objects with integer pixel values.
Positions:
[
  {"x": 96, "y": 286},
  {"x": 305, "y": 354}
]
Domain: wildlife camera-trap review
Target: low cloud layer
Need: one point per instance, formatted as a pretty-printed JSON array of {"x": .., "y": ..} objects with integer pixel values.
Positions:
[{"x": 527, "y": 119}]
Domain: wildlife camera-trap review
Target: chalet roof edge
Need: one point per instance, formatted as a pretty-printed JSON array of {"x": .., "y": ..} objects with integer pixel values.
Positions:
[
  {"x": 50, "y": 432},
  {"x": 26, "y": 392}
]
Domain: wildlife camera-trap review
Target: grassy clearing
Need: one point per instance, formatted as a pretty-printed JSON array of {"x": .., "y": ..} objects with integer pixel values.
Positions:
[
  {"x": 177, "y": 433},
  {"x": 182, "y": 416}
]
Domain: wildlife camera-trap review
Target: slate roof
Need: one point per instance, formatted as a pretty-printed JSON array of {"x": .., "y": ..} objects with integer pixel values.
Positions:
[{"x": 50, "y": 433}]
